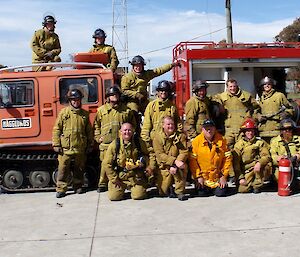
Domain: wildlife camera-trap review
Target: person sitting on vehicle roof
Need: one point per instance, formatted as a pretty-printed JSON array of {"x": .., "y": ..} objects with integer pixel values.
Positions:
[
  {"x": 100, "y": 47},
  {"x": 45, "y": 44}
]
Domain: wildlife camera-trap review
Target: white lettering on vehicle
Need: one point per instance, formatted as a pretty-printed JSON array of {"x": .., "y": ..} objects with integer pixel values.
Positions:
[{"x": 18, "y": 123}]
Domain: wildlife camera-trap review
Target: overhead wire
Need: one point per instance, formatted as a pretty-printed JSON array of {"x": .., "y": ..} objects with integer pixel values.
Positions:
[{"x": 170, "y": 46}]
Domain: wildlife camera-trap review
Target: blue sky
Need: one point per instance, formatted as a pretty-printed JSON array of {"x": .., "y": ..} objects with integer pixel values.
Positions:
[{"x": 151, "y": 24}]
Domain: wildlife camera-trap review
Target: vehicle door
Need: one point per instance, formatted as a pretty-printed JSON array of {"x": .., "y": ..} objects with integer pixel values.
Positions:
[{"x": 19, "y": 108}]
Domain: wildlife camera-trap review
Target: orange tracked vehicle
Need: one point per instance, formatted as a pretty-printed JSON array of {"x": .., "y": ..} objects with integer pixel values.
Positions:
[{"x": 29, "y": 104}]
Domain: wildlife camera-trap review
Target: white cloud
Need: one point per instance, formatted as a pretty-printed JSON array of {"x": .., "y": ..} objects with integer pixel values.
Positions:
[{"x": 147, "y": 31}]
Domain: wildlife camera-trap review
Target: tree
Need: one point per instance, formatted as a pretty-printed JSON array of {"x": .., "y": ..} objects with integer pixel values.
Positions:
[{"x": 291, "y": 34}]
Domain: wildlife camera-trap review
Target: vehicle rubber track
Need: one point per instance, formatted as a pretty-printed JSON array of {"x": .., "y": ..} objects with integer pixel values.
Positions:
[{"x": 24, "y": 162}]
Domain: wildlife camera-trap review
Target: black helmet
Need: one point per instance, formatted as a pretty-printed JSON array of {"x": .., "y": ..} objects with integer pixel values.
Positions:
[
  {"x": 199, "y": 84},
  {"x": 75, "y": 94},
  {"x": 208, "y": 123},
  {"x": 137, "y": 60},
  {"x": 164, "y": 85},
  {"x": 48, "y": 19},
  {"x": 114, "y": 90},
  {"x": 287, "y": 123},
  {"x": 99, "y": 33},
  {"x": 267, "y": 80}
]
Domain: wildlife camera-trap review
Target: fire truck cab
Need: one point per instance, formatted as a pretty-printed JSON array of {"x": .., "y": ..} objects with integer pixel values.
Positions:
[{"x": 247, "y": 63}]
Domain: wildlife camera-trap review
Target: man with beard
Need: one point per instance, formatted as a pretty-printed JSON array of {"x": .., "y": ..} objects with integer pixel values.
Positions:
[
  {"x": 72, "y": 139},
  {"x": 108, "y": 121},
  {"x": 45, "y": 44}
]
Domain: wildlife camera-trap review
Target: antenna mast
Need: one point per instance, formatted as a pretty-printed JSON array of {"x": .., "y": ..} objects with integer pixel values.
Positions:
[{"x": 119, "y": 30}]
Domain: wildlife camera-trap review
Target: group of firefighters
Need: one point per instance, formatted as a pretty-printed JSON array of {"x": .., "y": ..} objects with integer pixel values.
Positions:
[{"x": 161, "y": 149}]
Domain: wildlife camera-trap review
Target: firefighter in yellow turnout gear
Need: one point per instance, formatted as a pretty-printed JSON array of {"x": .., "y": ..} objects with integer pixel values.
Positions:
[
  {"x": 285, "y": 145},
  {"x": 45, "y": 44},
  {"x": 274, "y": 107},
  {"x": 156, "y": 110},
  {"x": 171, "y": 154},
  {"x": 100, "y": 47},
  {"x": 107, "y": 124},
  {"x": 197, "y": 109},
  {"x": 127, "y": 164},
  {"x": 134, "y": 84},
  {"x": 238, "y": 105},
  {"x": 252, "y": 159},
  {"x": 72, "y": 140}
]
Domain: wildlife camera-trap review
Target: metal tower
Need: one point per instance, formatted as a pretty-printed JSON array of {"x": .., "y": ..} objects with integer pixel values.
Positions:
[{"x": 119, "y": 31}]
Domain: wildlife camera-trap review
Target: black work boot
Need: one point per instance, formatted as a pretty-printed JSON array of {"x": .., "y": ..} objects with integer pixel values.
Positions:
[
  {"x": 60, "y": 194},
  {"x": 256, "y": 190},
  {"x": 79, "y": 191},
  {"x": 231, "y": 182},
  {"x": 171, "y": 193},
  {"x": 101, "y": 189},
  {"x": 182, "y": 197}
]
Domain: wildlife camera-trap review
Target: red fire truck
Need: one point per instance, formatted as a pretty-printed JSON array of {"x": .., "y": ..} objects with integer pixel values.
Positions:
[{"x": 247, "y": 63}]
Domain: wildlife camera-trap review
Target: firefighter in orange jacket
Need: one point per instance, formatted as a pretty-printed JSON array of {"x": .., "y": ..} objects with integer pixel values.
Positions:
[{"x": 210, "y": 161}]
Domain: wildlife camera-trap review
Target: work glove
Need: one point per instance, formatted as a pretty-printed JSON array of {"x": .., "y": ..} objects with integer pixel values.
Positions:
[
  {"x": 139, "y": 96},
  {"x": 124, "y": 175},
  {"x": 48, "y": 55},
  {"x": 262, "y": 119},
  {"x": 57, "y": 149},
  {"x": 118, "y": 182},
  {"x": 176, "y": 64}
]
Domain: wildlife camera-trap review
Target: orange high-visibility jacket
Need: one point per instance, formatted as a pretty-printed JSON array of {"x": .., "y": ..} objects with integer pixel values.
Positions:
[{"x": 211, "y": 164}]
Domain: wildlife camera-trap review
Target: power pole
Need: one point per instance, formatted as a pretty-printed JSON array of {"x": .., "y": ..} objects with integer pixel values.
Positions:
[
  {"x": 119, "y": 31},
  {"x": 228, "y": 22}
]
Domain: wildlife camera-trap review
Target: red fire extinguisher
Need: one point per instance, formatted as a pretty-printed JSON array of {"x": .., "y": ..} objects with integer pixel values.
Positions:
[{"x": 284, "y": 177}]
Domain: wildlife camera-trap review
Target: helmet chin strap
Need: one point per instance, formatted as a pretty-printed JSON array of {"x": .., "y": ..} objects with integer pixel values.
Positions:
[{"x": 77, "y": 108}]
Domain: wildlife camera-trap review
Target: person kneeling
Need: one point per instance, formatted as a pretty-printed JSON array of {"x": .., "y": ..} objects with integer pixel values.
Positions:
[
  {"x": 171, "y": 153},
  {"x": 252, "y": 160},
  {"x": 126, "y": 165},
  {"x": 210, "y": 161}
]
